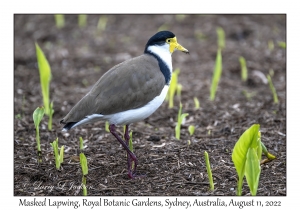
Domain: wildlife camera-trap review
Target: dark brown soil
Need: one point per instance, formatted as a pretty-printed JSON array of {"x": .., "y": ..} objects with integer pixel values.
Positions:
[{"x": 79, "y": 56}]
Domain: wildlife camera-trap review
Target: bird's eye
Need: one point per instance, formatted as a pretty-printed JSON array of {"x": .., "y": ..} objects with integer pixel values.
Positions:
[{"x": 168, "y": 40}]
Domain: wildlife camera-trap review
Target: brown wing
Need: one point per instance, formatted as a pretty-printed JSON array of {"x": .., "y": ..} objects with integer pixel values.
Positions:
[{"x": 129, "y": 85}]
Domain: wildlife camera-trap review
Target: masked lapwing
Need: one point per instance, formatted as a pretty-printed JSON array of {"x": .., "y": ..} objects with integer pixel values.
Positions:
[{"x": 129, "y": 92}]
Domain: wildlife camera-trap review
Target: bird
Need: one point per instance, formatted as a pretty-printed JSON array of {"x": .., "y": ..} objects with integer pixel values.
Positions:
[{"x": 129, "y": 92}]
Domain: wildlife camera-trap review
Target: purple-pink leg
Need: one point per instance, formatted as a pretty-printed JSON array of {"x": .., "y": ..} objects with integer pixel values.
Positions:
[{"x": 130, "y": 156}]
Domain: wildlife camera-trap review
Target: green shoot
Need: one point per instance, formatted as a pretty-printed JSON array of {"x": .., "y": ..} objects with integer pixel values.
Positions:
[
  {"x": 180, "y": 118},
  {"x": 45, "y": 78},
  {"x": 275, "y": 98},
  {"x": 246, "y": 157},
  {"x": 266, "y": 152},
  {"x": 244, "y": 71},
  {"x": 216, "y": 76},
  {"x": 84, "y": 168},
  {"x": 50, "y": 116},
  {"x": 59, "y": 20},
  {"x": 178, "y": 90},
  {"x": 209, "y": 173},
  {"x": 107, "y": 126},
  {"x": 130, "y": 142},
  {"x": 221, "y": 38},
  {"x": 102, "y": 23},
  {"x": 180, "y": 17},
  {"x": 282, "y": 44},
  {"x": 81, "y": 144},
  {"x": 82, "y": 20},
  {"x": 163, "y": 27},
  {"x": 173, "y": 87},
  {"x": 191, "y": 130},
  {"x": 197, "y": 103},
  {"x": 131, "y": 147},
  {"x": 59, "y": 157},
  {"x": 37, "y": 118},
  {"x": 271, "y": 45}
]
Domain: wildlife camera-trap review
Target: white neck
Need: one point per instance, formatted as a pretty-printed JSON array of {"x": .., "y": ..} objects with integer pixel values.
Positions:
[{"x": 163, "y": 52}]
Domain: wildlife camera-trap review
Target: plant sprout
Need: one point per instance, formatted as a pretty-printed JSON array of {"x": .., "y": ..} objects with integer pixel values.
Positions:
[
  {"x": 246, "y": 157},
  {"x": 282, "y": 44},
  {"x": 107, "y": 126},
  {"x": 216, "y": 76},
  {"x": 37, "y": 118},
  {"x": 191, "y": 129},
  {"x": 275, "y": 98},
  {"x": 178, "y": 90},
  {"x": 173, "y": 87},
  {"x": 84, "y": 168},
  {"x": 82, "y": 20},
  {"x": 244, "y": 71},
  {"x": 45, "y": 78},
  {"x": 59, "y": 157},
  {"x": 180, "y": 119},
  {"x": 197, "y": 103},
  {"x": 59, "y": 20},
  {"x": 209, "y": 173},
  {"x": 102, "y": 23},
  {"x": 81, "y": 144},
  {"x": 221, "y": 38}
]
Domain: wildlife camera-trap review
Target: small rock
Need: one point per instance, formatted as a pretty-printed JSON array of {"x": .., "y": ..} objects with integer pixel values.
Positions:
[{"x": 153, "y": 138}]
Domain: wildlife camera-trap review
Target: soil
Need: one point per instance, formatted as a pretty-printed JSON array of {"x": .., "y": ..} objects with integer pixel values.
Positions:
[{"x": 80, "y": 55}]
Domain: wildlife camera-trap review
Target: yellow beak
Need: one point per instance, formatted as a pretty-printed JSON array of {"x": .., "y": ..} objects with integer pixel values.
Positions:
[{"x": 174, "y": 45}]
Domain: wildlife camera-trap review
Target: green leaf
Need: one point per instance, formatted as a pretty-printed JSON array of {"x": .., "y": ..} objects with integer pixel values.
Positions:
[
  {"x": 45, "y": 77},
  {"x": 244, "y": 71},
  {"x": 252, "y": 170},
  {"x": 80, "y": 143},
  {"x": 249, "y": 139},
  {"x": 83, "y": 163},
  {"x": 221, "y": 38},
  {"x": 272, "y": 88},
  {"x": 173, "y": 87},
  {"x": 191, "y": 129},
  {"x": 54, "y": 145},
  {"x": 38, "y": 115},
  {"x": 61, "y": 155},
  {"x": 216, "y": 75},
  {"x": 102, "y": 23},
  {"x": 211, "y": 182},
  {"x": 130, "y": 142},
  {"x": 82, "y": 20},
  {"x": 59, "y": 20},
  {"x": 197, "y": 103}
]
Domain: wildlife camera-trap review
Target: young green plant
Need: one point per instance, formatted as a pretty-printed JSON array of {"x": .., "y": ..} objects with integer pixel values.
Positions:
[
  {"x": 82, "y": 20},
  {"x": 59, "y": 156},
  {"x": 216, "y": 75},
  {"x": 37, "y": 118},
  {"x": 191, "y": 129},
  {"x": 102, "y": 23},
  {"x": 209, "y": 173},
  {"x": 246, "y": 157},
  {"x": 180, "y": 118},
  {"x": 173, "y": 87},
  {"x": 272, "y": 88},
  {"x": 45, "y": 78},
  {"x": 197, "y": 103},
  {"x": 244, "y": 71},
  {"x": 221, "y": 38},
  {"x": 59, "y": 20},
  {"x": 84, "y": 168}
]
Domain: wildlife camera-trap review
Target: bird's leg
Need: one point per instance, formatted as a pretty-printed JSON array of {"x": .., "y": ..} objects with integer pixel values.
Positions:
[
  {"x": 127, "y": 138},
  {"x": 131, "y": 156}
]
